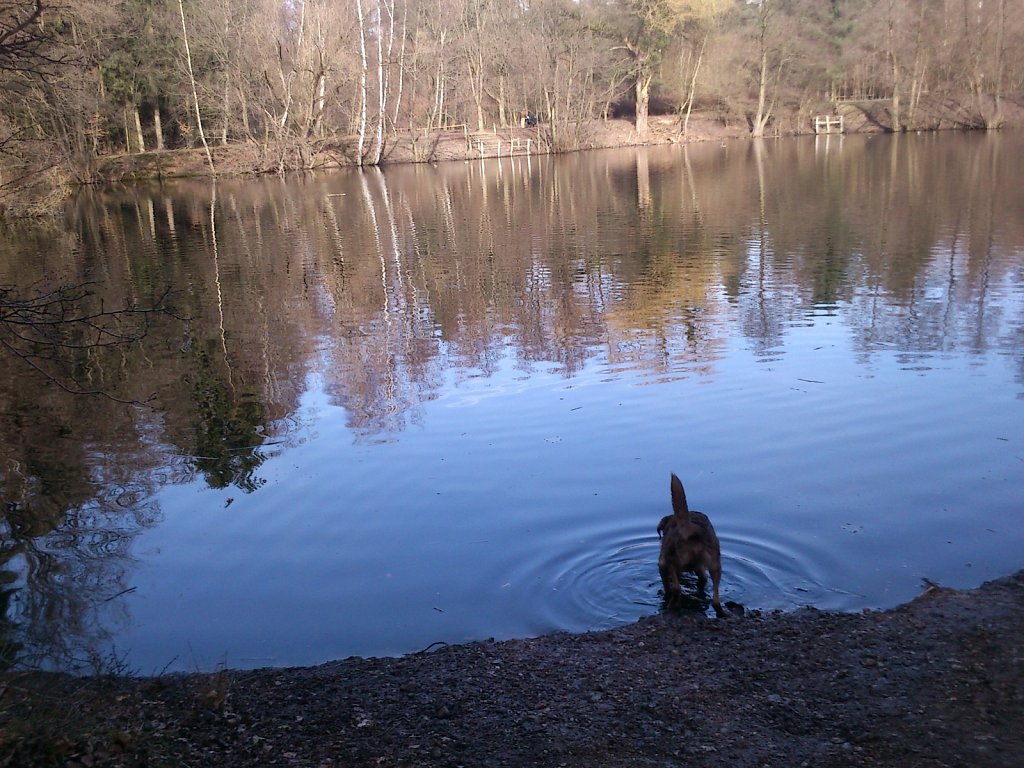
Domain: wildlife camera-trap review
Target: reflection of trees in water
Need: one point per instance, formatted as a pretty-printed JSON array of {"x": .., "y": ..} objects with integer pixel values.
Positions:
[
  {"x": 77, "y": 474},
  {"x": 229, "y": 431},
  {"x": 905, "y": 240},
  {"x": 64, "y": 585},
  {"x": 70, "y": 503},
  {"x": 946, "y": 243},
  {"x": 387, "y": 285},
  {"x": 384, "y": 364},
  {"x": 68, "y": 520}
]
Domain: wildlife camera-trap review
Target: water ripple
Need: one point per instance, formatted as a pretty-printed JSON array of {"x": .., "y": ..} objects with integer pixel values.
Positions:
[{"x": 610, "y": 577}]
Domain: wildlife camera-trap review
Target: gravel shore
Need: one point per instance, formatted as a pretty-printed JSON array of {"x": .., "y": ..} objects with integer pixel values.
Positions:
[{"x": 936, "y": 682}]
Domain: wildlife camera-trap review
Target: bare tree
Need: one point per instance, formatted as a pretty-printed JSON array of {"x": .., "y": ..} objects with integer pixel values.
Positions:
[
  {"x": 49, "y": 330},
  {"x": 89, "y": 78},
  {"x": 985, "y": 32},
  {"x": 699, "y": 25},
  {"x": 24, "y": 45},
  {"x": 768, "y": 68},
  {"x": 385, "y": 32},
  {"x": 362, "y": 81},
  {"x": 565, "y": 60},
  {"x": 32, "y": 176},
  {"x": 195, "y": 93},
  {"x": 432, "y": 59},
  {"x": 650, "y": 25}
]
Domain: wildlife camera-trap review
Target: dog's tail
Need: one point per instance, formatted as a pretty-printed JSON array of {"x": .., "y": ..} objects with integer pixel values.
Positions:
[{"x": 679, "y": 506}]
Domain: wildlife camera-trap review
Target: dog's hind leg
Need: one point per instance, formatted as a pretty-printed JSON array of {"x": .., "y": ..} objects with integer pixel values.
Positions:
[
  {"x": 716, "y": 577},
  {"x": 670, "y": 580}
]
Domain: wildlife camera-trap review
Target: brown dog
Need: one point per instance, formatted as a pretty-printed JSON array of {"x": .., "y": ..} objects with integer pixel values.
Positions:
[{"x": 688, "y": 543}]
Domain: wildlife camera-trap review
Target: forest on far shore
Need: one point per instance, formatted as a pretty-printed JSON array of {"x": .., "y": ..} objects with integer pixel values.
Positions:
[{"x": 85, "y": 80}]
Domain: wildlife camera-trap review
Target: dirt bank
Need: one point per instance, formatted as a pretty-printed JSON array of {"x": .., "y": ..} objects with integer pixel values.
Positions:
[
  {"x": 936, "y": 682},
  {"x": 405, "y": 147},
  {"x": 412, "y": 146}
]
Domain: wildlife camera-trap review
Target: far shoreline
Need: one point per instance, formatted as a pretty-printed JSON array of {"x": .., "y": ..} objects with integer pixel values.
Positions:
[{"x": 431, "y": 147}]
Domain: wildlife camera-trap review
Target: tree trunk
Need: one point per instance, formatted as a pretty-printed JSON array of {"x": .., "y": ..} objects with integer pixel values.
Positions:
[
  {"x": 316, "y": 125},
  {"x": 997, "y": 116},
  {"x": 158, "y": 128},
  {"x": 476, "y": 84},
  {"x": 243, "y": 109},
  {"x": 136, "y": 122},
  {"x": 362, "y": 83},
  {"x": 895, "y": 116},
  {"x": 643, "y": 101},
  {"x": 479, "y": 109},
  {"x": 761, "y": 118},
  {"x": 758, "y": 123},
  {"x": 553, "y": 131},
  {"x": 383, "y": 77},
  {"x": 195, "y": 92},
  {"x": 401, "y": 65},
  {"x": 227, "y": 112},
  {"x": 917, "y": 78},
  {"x": 916, "y": 87},
  {"x": 382, "y": 86},
  {"x": 286, "y": 80},
  {"x": 894, "y": 109},
  {"x": 437, "y": 108},
  {"x": 551, "y": 108},
  {"x": 502, "y": 115},
  {"x": 693, "y": 84}
]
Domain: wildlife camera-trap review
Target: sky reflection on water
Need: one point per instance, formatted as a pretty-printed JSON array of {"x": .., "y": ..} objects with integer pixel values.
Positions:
[{"x": 443, "y": 403}]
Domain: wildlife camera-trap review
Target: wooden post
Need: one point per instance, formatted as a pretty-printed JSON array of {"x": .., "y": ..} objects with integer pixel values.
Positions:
[{"x": 825, "y": 124}]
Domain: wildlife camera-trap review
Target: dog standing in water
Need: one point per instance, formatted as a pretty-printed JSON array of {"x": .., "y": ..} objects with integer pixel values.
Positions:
[{"x": 688, "y": 543}]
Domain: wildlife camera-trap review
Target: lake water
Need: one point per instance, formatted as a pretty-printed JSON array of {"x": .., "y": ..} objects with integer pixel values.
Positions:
[{"x": 442, "y": 403}]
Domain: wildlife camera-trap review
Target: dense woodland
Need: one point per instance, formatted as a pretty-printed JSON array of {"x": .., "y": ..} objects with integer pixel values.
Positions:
[{"x": 88, "y": 79}]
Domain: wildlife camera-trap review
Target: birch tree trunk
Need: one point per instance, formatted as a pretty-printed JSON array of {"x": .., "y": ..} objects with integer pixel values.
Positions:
[
  {"x": 761, "y": 117},
  {"x": 997, "y": 116},
  {"x": 383, "y": 76},
  {"x": 195, "y": 92},
  {"x": 763, "y": 114},
  {"x": 136, "y": 123},
  {"x": 917, "y": 76},
  {"x": 473, "y": 27},
  {"x": 896, "y": 117},
  {"x": 158, "y": 128},
  {"x": 243, "y": 109},
  {"x": 227, "y": 112},
  {"x": 401, "y": 63},
  {"x": 362, "y": 82},
  {"x": 318, "y": 96},
  {"x": 382, "y": 90},
  {"x": 286, "y": 81},
  {"x": 437, "y": 108},
  {"x": 693, "y": 83},
  {"x": 315, "y": 128}
]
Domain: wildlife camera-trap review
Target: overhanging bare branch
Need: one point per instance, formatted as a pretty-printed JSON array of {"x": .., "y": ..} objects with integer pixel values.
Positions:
[{"x": 48, "y": 330}]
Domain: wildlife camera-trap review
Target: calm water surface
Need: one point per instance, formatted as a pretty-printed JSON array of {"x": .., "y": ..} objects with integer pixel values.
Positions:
[{"x": 442, "y": 403}]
